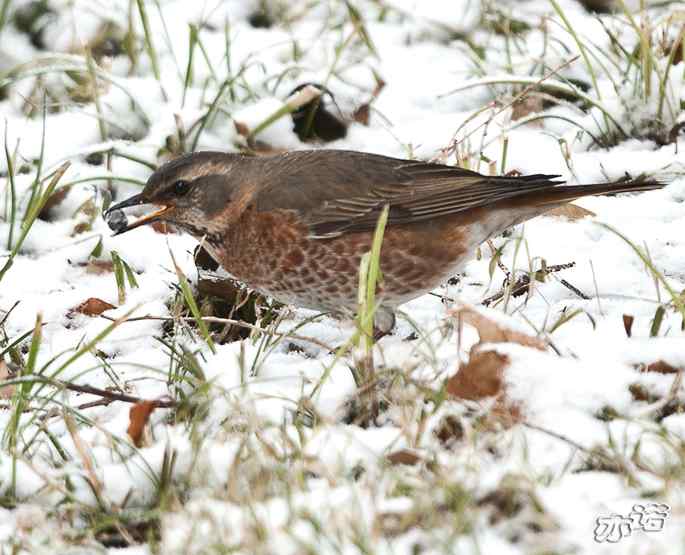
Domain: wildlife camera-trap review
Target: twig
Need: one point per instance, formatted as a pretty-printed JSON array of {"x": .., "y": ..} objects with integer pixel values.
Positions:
[
  {"x": 531, "y": 87},
  {"x": 216, "y": 320},
  {"x": 590, "y": 453},
  {"x": 110, "y": 396},
  {"x": 661, "y": 403},
  {"x": 523, "y": 283},
  {"x": 574, "y": 289},
  {"x": 500, "y": 264}
]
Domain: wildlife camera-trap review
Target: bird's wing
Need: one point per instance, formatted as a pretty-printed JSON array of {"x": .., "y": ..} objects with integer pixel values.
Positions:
[{"x": 338, "y": 192}]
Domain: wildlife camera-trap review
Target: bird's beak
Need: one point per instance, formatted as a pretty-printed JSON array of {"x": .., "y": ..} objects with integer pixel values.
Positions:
[{"x": 135, "y": 200}]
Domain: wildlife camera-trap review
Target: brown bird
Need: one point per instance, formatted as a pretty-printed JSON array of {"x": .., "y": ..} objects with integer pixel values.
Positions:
[{"x": 295, "y": 226}]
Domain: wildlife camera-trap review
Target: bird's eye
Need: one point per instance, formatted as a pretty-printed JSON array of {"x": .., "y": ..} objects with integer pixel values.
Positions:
[{"x": 181, "y": 187}]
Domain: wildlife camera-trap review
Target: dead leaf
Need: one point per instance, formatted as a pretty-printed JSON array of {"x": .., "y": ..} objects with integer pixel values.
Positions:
[
  {"x": 84, "y": 453},
  {"x": 640, "y": 393},
  {"x": 362, "y": 113},
  {"x": 241, "y": 128},
  {"x": 403, "y": 456},
  {"x": 55, "y": 199},
  {"x": 505, "y": 413},
  {"x": 449, "y": 431},
  {"x": 93, "y": 307},
  {"x": 138, "y": 418},
  {"x": 571, "y": 212},
  {"x": 531, "y": 104},
  {"x": 491, "y": 332},
  {"x": 6, "y": 391},
  {"x": 380, "y": 85},
  {"x": 628, "y": 324},
  {"x": 660, "y": 367},
  {"x": 676, "y": 49},
  {"x": 482, "y": 376}
]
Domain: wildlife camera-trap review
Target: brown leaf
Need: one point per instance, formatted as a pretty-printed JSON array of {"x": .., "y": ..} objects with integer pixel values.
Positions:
[
  {"x": 491, "y": 332},
  {"x": 403, "y": 456},
  {"x": 6, "y": 391},
  {"x": 449, "y": 431},
  {"x": 380, "y": 85},
  {"x": 55, "y": 199},
  {"x": 628, "y": 320},
  {"x": 84, "y": 453},
  {"x": 480, "y": 377},
  {"x": 676, "y": 49},
  {"x": 93, "y": 307},
  {"x": 571, "y": 212},
  {"x": 660, "y": 367},
  {"x": 362, "y": 113},
  {"x": 483, "y": 375},
  {"x": 138, "y": 417},
  {"x": 241, "y": 128},
  {"x": 531, "y": 104},
  {"x": 640, "y": 393}
]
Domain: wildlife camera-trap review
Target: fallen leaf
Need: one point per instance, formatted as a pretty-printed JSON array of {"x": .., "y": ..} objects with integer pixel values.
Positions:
[
  {"x": 241, "y": 128},
  {"x": 403, "y": 456},
  {"x": 6, "y": 391},
  {"x": 628, "y": 324},
  {"x": 676, "y": 49},
  {"x": 55, "y": 199},
  {"x": 640, "y": 393},
  {"x": 490, "y": 331},
  {"x": 531, "y": 104},
  {"x": 571, "y": 212},
  {"x": 660, "y": 367},
  {"x": 93, "y": 307},
  {"x": 362, "y": 113},
  {"x": 84, "y": 453},
  {"x": 482, "y": 376},
  {"x": 449, "y": 431},
  {"x": 138, "y": 418}
]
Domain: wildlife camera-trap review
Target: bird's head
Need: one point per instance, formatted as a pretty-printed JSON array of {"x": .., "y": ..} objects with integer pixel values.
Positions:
[{"x": 191, "y": 192}]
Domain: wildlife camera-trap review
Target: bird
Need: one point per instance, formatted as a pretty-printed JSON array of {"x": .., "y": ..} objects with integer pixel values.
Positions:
[{"x": 295, "y": 225}]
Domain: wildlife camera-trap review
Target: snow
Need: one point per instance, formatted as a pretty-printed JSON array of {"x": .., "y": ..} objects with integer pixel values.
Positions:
[{"x": 269, "y": 458}]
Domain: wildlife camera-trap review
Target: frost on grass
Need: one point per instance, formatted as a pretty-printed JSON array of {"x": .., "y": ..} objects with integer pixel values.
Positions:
[{"x": 506, "y": 429}]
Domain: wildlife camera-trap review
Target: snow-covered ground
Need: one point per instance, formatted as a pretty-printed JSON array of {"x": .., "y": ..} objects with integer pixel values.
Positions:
[{"x": 258, "y": 454}]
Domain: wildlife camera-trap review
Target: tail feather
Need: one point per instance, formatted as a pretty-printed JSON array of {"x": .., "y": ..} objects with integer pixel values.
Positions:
[{"x": 568, "y": 193}]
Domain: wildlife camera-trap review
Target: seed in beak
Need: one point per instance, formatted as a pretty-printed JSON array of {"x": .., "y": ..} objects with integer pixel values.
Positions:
[{"x": 117, "y": 221}]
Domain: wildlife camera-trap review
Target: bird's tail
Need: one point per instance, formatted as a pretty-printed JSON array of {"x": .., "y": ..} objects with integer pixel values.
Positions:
[{"x": 555, "y": 196}]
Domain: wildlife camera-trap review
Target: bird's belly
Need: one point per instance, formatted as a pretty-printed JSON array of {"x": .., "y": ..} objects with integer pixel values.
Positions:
[{"x": 323, "y": 274}]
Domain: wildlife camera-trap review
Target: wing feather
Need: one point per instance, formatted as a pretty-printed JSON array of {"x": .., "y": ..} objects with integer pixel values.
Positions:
[{"x": 338, "y": 192}]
